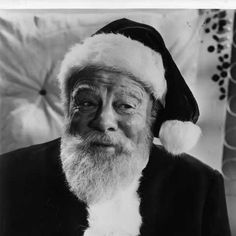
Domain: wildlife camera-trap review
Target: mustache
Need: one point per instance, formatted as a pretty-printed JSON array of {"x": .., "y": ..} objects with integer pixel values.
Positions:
[{"x": 94, "y": 138}]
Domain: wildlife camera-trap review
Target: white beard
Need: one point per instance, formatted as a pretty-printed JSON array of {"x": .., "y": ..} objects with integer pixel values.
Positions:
[{"x": 95, "y": 175}]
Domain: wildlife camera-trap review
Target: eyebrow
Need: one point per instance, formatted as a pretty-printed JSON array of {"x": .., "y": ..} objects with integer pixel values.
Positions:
[
  {"x": 84, "y": 87},
  {"x": 133, "y": 94}
]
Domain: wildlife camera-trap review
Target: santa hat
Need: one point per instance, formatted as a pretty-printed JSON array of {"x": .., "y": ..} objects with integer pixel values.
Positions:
[{"x": 139, "y": 50}]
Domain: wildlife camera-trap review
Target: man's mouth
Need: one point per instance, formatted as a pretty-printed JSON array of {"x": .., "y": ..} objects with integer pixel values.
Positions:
[{"x": 103, "y": 144}]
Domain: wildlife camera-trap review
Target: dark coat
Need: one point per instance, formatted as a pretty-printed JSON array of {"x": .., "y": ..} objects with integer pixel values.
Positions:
[{"x": 179, "y": 196}]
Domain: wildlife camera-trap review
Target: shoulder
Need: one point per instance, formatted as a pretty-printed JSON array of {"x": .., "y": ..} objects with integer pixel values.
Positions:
[
  {"x": 29, "y": 151},
  {"x": 28, "y": 160},
  {"x": 184, "y": 166},
  {"x": 180, "y": 177},
  {"x": 27, "y": 175}
]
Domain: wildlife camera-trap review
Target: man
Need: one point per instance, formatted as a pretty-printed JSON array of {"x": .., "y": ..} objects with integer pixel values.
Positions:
[{"x": 105, "y": 177}]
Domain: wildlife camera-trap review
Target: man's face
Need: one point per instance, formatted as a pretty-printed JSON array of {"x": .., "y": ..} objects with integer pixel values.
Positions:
[
  {"x": 108, "y": 134},
  {"x": 109, "y": 103}
]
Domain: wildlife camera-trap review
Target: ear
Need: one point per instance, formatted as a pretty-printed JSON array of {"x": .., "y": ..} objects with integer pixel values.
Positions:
[{"x": 157, "y": 116}]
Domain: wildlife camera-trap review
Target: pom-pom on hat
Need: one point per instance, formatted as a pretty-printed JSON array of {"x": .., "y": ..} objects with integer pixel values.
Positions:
[{"x": 139, "y": 50}]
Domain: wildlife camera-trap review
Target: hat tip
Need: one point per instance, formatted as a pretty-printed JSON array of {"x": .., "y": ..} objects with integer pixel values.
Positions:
[{"x": 179, "y": 137}]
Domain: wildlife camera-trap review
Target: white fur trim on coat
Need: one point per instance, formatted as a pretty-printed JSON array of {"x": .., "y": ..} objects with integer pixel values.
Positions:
[
  {"x": 118, "y": 52},
  {"x": 178, "y": 136},
  {"x": 116, "y": 217}
]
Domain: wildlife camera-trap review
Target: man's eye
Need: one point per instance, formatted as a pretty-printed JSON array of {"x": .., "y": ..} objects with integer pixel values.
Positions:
[
  {"x": 126, "y": 106},
  {"x": 86, "y": 104}
]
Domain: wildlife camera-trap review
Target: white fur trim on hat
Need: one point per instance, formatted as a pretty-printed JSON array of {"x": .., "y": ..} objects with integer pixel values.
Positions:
[
  {"x": 119, "y": 52},
  {"x": 179, "y": 136}
]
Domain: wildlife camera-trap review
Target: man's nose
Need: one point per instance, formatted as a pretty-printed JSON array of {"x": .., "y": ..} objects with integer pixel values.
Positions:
[{"x": 105, "y": 120}]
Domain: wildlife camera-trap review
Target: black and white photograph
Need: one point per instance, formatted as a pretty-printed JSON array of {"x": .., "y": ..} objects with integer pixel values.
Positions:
[{"x": 117, "y": 121}]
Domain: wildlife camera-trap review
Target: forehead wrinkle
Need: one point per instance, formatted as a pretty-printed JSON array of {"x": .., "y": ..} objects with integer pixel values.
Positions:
[{"x": 93, "y": 76}]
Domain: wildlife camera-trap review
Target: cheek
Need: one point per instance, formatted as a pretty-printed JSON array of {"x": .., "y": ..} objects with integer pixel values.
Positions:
[
  {"x": 78, "y": 124},
  {"x": 134, "y": 128}
]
